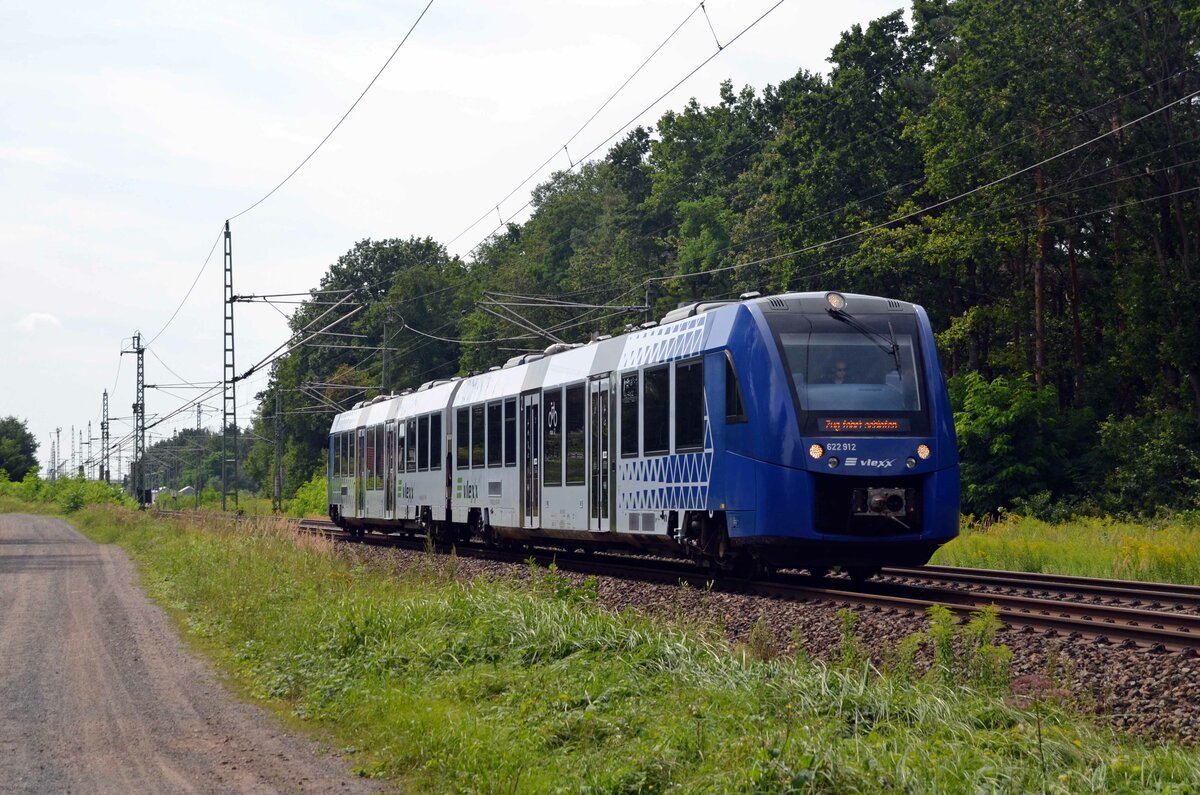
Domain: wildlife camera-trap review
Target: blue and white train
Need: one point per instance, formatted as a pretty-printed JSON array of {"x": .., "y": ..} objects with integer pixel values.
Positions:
[{"x": 807, "y": 430}]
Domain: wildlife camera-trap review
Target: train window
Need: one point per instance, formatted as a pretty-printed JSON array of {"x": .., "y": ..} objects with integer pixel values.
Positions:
[
  {"x": 495, "y": 435},
  {"x": 389, "y": 450},
  {"x": 463, "y": 432},
  {"x": 629, "y": 415},
  {"x": 410, "y": 460},
  {"x": 510, "y": 432},
  {"x": 735, "y": 407},
  {"x": 377, "y": 475},
  {"x": 477, "y": 436},
  {"x": 371, "y": 451},
  {"x": 689, "y": 405},
  {"x": 576, "y": 463},
  {"x": 380, "y": 443},
  {"x": 656, "y": 414},
  {"x": 552, "y": 423},
  {"x": 401, "y": 446},
  {"x": 837, "y": 371},
  {"x": 435, "y": 441},
  {"x": 423, "y": 443}
]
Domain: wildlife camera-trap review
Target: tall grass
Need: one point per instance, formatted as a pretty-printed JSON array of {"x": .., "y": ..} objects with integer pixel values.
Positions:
[
  {"x": 1164, "y": 551},
  {"x": 310, "y": 501},
  {"x": 524, "y": 685},
  {"x": 65, "y": 495}
]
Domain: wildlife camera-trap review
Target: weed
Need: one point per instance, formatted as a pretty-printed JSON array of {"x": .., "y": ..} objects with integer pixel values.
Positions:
[
  {"x": 906, "y": 655},
  {"x": 760, "y": 641},
  {"x": 941, "y": 635},
  {"x": 987, "y": 665},
  {"x": 850, "y": 651},
  {"x": 1165, "y": 551}
]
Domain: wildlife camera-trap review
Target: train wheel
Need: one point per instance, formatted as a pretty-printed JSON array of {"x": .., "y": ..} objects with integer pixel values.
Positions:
[
  {"x": 441, "y": 534},
  {"x": 714, "y": 540},
  {"x": 488, "y": 534}
]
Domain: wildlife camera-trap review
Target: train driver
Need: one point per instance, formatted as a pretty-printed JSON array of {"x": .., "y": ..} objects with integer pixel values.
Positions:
[{"x": 839, "y": 371}]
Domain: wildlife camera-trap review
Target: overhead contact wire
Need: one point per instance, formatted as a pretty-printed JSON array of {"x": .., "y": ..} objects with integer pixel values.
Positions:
[
  {"x": 645, "y": 110},
  {"x": 584, "y": 126},
  {"x": 344, "y": 116}
]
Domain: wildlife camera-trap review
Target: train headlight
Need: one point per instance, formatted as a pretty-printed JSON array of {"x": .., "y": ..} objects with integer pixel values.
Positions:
[
  {"x": 833, "y": 462},
  {"x": 816, "y": 451},
  {"x": 910, "y": 462},
  {"x": 836, "y": 301},
  {"x": 923, "y": 451}
]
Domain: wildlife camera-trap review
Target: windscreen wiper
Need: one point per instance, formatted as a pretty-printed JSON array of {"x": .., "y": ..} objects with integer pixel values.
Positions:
[{"x": 886, "y": 344}]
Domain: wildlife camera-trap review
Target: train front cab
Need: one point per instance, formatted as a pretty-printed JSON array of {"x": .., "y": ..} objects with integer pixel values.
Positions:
[
  {"x": 340, "y": 469},
  {"x": 857, "y": 471}
]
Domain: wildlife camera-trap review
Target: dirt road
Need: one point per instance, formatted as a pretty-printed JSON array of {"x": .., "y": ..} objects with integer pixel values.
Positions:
[{"x": 97, "y": 694}]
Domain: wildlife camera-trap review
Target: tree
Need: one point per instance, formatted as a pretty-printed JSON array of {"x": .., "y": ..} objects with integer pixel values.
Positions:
[
  {"x": 18, "y": 448},
  {"x": 1008, "y": 440},
  {"x": 1025, "y": 171}
]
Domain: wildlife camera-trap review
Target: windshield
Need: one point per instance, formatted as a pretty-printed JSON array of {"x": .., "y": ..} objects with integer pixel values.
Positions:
[{"x": 849, "y": 370}]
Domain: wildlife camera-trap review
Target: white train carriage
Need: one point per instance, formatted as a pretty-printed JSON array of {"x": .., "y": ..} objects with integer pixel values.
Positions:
[
  {"x": 387, "y": 459},
  {"x": 529, "y": 451}
]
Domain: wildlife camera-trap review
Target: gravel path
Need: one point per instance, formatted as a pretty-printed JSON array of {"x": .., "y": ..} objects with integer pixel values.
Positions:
[{"x": 97, "y": 694}]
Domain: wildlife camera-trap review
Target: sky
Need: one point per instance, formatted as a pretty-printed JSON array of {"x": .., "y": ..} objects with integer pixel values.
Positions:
[{"x": 130, "y": 131}]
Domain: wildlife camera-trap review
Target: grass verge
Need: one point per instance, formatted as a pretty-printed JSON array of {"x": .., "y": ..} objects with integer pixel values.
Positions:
[
  {"x": 1165, "y": 551},
  {"x": 444, "y": 685}
]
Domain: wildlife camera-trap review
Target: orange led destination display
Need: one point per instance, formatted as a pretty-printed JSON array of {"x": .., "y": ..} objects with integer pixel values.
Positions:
[{"x": 862, "y": 425}]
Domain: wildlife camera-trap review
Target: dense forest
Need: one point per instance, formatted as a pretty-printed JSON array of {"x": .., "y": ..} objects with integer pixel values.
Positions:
[{"x": 1027, "y": 171}]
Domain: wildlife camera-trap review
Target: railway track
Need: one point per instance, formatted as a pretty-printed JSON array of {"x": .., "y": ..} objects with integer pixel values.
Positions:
[
  {"x": 1154, "y": 595},
  {"x": 1154, "y": 617}
]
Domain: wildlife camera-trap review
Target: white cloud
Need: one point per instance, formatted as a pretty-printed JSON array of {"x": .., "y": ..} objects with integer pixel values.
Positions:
[{"x": 34, "y": 319}]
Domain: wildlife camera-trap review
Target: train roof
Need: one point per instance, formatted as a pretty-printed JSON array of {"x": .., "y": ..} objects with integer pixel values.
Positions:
[{"x": 685, "y": 331}]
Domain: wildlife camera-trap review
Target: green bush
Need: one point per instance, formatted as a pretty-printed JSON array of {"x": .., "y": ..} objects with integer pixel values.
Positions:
[
  {"x": 1009, "y": 440},
  {"x": 311, "y": 499},
  {"x": 67, "y": 494},
  {"x": 1150, "y": 463}
]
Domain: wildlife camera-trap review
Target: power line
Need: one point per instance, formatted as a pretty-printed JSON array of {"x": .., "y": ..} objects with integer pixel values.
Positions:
[
  {"x": 584, "y": 126},
  {"x": 880, "y": 130},
  {"x": 188, "y": 294},
  {"x": 589, "y": 154},
  {"x": 293, "y": 173},
  {"x": 339, "y": 122},
  {"x": 907, "y": 216},
  {"x": 641, "y": 113}
]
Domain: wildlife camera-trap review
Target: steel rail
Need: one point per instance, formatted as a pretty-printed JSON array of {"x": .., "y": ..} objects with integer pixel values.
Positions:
[
  {"x": 1135, "y": 591},
  {"x": 1106, "y": 624},
  {"x": 1129, "y": 627}
]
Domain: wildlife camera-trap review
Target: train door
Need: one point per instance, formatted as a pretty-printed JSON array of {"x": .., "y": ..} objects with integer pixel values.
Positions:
[
  {"x": 599, "y": 460},
  {"x": 389, "y": 471},
  {"x": 360, "y": 469},
  {"x": 531, "y": 473}
]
